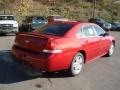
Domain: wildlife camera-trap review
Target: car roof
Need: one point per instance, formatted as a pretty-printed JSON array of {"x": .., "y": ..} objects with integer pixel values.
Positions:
[
  {"x": 73, "y": 22},
  {"x": 6, "y": 15}
]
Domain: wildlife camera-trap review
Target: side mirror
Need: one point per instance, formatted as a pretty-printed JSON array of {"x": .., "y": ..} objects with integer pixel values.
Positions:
[{"x": 105, "y": 34}]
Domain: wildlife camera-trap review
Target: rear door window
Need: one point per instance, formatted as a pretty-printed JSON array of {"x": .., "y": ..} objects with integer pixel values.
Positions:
[{"x": 88, "y": 31}]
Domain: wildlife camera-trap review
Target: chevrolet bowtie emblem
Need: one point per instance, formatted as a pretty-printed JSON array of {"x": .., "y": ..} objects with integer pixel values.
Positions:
[{"x": 27, "y": 41}]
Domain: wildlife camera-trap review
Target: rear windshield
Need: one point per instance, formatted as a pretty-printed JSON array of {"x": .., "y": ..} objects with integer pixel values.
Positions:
[
  {"x": 7, "y": 18},
  {"x": 57, "y": 29}
]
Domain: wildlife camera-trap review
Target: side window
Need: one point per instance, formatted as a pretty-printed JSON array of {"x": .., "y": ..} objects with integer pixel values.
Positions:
[
  {"x": 99, "y": 31},
  {"x": 88, "y": 31}
]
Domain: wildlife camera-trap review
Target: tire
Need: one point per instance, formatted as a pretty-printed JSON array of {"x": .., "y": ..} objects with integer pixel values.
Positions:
[
  {"x": 118, "y": 29},
  {"x": 76, "y": 64},
  {"x": 111, "y": 50},
  {"x": 2, "y": 34}
]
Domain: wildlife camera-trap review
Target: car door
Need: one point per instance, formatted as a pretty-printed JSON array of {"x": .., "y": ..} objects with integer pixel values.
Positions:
[
  {"x": 91, "y": 45},
  {"x": 104, "y": 40}
]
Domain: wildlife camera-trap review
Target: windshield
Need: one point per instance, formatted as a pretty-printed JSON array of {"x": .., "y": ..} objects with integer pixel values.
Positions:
[
  {"x": 55, "y": 29},
  {"x": 39, "y": 18},
  {"x": 7, "y": 18},
  {"x": 102, "y": 21}
]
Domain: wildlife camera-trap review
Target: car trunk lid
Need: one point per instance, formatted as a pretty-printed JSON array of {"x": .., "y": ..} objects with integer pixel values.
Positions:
[{"x": 31, "y": 41}]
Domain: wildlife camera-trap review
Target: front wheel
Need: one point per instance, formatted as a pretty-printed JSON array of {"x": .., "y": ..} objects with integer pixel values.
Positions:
[
  {"x": 77, "y": 64},
  {"x": 111, "y": 50}
]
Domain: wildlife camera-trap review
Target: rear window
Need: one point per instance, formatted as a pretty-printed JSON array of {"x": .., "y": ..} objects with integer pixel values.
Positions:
[{"x": 57, "y": 29}]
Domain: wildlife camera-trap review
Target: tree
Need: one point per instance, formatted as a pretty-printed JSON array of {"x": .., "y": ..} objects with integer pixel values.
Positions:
[
  {"x": 5, "y": 4},
  {"x": 24, "y": 7}
]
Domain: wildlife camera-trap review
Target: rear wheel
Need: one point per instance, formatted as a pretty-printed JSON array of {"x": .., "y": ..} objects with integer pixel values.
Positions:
[{"x": 77, "y": 64}]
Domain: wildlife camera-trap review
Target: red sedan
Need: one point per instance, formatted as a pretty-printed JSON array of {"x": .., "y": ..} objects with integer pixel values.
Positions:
[{"x": 62, "y": 46}]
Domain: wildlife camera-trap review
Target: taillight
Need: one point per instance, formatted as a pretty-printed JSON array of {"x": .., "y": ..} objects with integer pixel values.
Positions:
[
  {"x": 52, "y": 51},
  {"x": 52, "y": 48},
  {"x": 50, "y": 45}
]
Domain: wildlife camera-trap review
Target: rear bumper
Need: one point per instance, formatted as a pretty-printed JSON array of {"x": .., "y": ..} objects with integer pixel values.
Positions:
[
  {"x": 33, "y": 60},
  {"x": 39, "y": 61}
]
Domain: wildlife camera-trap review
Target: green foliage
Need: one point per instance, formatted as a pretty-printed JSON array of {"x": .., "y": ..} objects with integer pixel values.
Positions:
[
  {"x": 24, "y": 7},
  {"x": 7, "y": 1}
]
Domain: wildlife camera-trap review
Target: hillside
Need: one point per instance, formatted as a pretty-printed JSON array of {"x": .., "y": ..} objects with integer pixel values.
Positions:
[{"x": 72, "y": 9}]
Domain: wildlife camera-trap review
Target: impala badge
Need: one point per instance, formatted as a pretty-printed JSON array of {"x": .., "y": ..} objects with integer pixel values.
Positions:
[{"x": 27, "y": 41}]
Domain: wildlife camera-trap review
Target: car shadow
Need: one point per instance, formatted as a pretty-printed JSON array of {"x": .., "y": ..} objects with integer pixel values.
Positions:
[{"x": 10, "y": 71}]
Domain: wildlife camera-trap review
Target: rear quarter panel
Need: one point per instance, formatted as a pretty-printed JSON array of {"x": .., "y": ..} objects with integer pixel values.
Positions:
[{"x": 69, "y": 47}]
